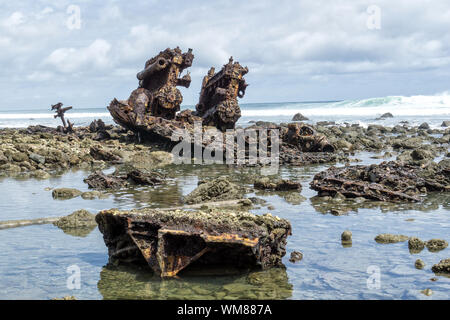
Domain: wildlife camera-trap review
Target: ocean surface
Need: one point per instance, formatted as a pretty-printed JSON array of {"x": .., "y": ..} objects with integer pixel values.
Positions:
[{"x": 414, "y": 109}]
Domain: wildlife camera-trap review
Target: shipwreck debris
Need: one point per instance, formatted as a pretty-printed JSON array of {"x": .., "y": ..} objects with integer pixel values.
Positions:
[
  {"x": 169, "y": 241},
  {"x": 157, "y": 95},
  {"x": 60, "y": 111},
  {"x": 218, "y": 105}
]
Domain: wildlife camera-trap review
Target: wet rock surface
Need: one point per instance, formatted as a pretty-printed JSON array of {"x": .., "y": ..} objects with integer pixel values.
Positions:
[
  {"x": 390, "y": 238},
  {"x": 435, "y": 245},
  {"x": 169, "y": 241},
  {"x": 79, "y": 223},
  {"x": 266, "y": 183},
  {"x": 388, "y": 181},
  {"x": 65, "y": 193},
  {"x": 101, "y": 181},
  {"x": 296, "y": 256},
  {"x": 443, "y": 267},
  {"x": 216, "y": 190}
]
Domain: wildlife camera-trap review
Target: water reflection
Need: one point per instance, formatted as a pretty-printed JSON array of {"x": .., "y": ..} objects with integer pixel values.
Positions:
[{"x": 139, "y": 283}]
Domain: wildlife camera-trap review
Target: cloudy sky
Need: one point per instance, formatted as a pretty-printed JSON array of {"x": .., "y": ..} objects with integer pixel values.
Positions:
[{"x": 295, "y": 50}]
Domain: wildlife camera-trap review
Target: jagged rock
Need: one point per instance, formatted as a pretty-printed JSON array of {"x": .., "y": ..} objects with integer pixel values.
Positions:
[
  {"x": 435, "y": 245},
  {"x": 388, "y": 181},
  {"x": 385, "y": 116},
  {"x": 65, "y": 193},
  {"x": 99, "y": 180},
  {"x": 169, "y": 241},
  {"x": 442, "y": 267},
  {"x": 296, "y": 256},
  {"x": 445, "y": 124},
  {"x": 266, "y": 183},
  {"x": 390, "y": 238},
  {"x": 98, "y": 153},
  {"x": 216, "y": 190},
  {"x": 299, "y": 117},
  {"x": 424, "y": 126},
  {"x": 37, "y": 158}
]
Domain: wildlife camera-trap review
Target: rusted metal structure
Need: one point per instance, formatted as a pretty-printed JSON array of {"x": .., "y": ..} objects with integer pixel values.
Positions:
[
  {"x": 218, "y": 104},
  {"x": 157, "y": 94},
  {"x": 60, "y": 111},
  {"x": 169, "y": 241}
]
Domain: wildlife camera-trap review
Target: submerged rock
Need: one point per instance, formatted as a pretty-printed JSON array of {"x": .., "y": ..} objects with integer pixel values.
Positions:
[
  {"x": 415, "y": 245},
  {"x": 65, "y": 193},
  {"x": 296, "y": 256},
  {"x": 79, "y": 223},
  {"x": 266, "y": 183},
  {"x": 435, "y": 245},
  {"x": 346, "y": 236},
  {"x": 419, "y": 264},
  {"x": 99, "y": 180},
  {"x": 216, "y": 190},
  {"x": 390, "y": 238},
  {"x": 169, "y": 241},
  {"x": 78, "y": 219},
  {"x": 442, "y": 267}
]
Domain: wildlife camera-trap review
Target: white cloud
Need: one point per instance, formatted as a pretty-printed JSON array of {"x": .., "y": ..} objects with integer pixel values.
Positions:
[
  {"x": 79, "y": 59},
  {"x": 14, "y": 20}
]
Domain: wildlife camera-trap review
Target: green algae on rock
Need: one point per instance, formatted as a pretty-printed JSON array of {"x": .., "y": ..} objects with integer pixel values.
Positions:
[
  {"x": 390, "y": 238},
  {"x": 216, "y": 190},
  {"x": 65, "y": 193},
  {"x": 443, "y": 267},
  {"x": 169, "y": 241}
]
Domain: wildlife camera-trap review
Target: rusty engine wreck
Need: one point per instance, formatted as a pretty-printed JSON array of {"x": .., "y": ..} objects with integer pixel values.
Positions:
[
  {"x": 152, "y": 110},
  {"x": 218, "y": 105}
]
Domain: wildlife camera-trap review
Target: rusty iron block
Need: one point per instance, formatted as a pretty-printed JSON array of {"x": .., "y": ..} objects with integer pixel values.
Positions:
[{"x": 169, "y": 241}]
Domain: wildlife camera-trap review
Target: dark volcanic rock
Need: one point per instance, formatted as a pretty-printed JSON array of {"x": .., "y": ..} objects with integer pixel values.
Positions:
[
  {"x": 266, "y": 183},
  {"x": 299, "y": 117},
  {"x": 296, "y": 256},
  {"x": 388, "y": 181},
  {"x": 385, "y": 116},
  {"x": 442, "y": 267},
  {"x": 168, "y": 241}
]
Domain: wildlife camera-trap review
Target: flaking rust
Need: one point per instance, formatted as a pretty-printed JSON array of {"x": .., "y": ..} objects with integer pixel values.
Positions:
[
  {"x": 157, "y": 95},
  {"x": 170, "y": 241},
  {"x": 218, "y": 105}
]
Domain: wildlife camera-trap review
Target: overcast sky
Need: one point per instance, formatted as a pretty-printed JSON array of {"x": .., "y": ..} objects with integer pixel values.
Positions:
[{"x": 295, "y": 50}]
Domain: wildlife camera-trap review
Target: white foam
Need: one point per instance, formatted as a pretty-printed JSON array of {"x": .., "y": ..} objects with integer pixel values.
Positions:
[{"x": 51, "y": 115}]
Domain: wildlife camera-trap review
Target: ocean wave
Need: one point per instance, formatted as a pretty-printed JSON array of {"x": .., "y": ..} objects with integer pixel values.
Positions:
[{"x": 397, "y": 105}]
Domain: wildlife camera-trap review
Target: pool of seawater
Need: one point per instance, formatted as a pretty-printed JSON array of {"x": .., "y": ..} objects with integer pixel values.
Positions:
[{"x": 34, "y": 260}]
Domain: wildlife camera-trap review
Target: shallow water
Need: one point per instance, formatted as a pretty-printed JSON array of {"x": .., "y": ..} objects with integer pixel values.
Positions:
[{"x": 34, "y": 259}]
